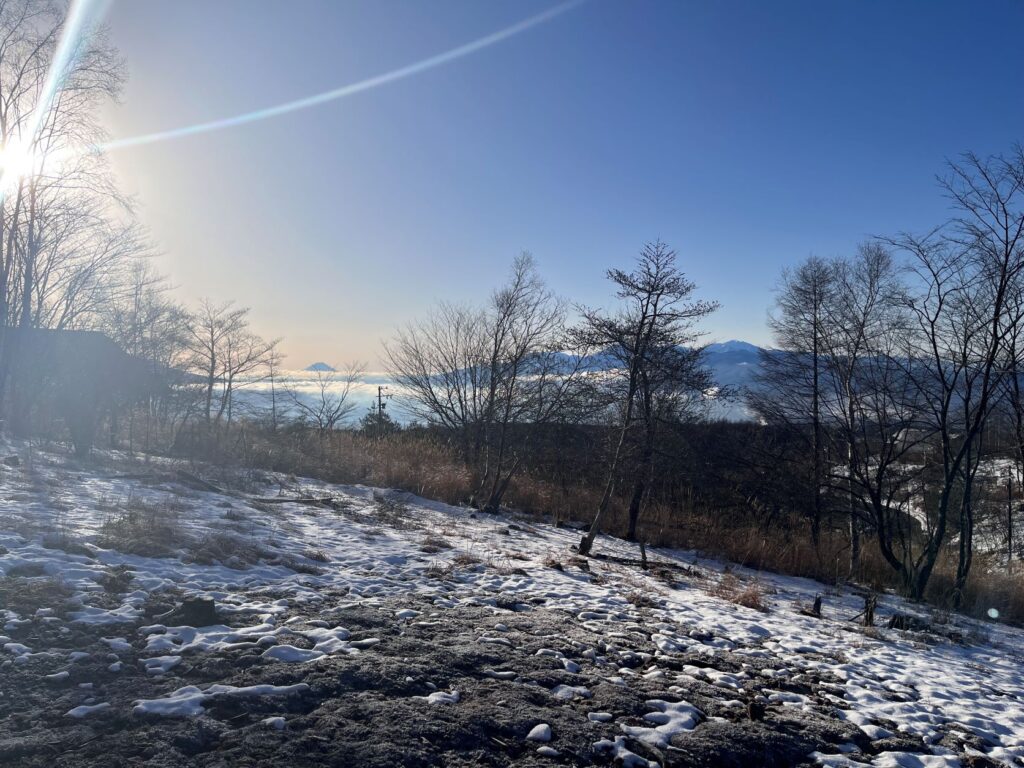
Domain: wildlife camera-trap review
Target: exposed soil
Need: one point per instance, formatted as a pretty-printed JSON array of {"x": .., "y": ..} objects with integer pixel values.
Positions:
[{"x": 362, "y": 709}]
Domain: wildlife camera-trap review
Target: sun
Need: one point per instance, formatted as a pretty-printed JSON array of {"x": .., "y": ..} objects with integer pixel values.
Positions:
[{"x": 17, "y": 160}]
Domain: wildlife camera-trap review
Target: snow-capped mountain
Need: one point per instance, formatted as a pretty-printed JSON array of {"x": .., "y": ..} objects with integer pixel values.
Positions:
[
  {"x": 320, "y": 367},
  {"x": 734, "y": 363}
]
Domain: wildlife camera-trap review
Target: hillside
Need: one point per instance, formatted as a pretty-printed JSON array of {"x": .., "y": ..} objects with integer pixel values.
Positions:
[{"x": 150, "y": 615}]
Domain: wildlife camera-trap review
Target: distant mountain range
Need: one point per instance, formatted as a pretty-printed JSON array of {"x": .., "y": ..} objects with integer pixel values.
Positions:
[
  {"x": 733, "y": 363},
  {"x": 320, "y": 368}
]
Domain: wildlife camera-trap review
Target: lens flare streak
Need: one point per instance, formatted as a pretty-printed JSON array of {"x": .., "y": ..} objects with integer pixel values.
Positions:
[{"x": 349, "y": 90}]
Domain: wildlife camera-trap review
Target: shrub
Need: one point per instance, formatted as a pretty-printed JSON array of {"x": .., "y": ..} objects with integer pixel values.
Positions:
[{"x": 749, "y": 594}]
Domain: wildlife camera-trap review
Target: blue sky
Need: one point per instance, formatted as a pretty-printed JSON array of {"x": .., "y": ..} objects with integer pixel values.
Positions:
[{"x": 748, "y": 135}]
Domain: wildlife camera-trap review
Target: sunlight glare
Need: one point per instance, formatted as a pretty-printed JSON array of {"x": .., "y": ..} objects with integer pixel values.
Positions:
[{"x": 16, "y": 161}]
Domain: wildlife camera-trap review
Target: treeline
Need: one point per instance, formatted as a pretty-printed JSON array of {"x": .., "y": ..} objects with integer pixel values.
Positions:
[
  {"x": 898, "y": 374},
  {"x": 889, "y": 414}
]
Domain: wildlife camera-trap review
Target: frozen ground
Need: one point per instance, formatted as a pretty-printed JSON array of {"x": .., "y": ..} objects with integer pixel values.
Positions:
[{"x": 376, "y": 628}]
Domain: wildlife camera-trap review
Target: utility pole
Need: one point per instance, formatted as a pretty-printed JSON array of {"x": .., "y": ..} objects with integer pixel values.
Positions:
[
  {"x": 381, "y": 405},
  {"x": 1009, "y": 520}
]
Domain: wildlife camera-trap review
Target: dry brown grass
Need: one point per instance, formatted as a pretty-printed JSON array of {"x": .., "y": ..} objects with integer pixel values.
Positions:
[
  {"x": 26, "y": 594},
  {"x": 424, "y": 465},
  {"x": 227, "y": 549},
  {"x": 432, "y": 544},
  {"x": 988, "y": 588},
  {"x": 116, "y": 579},
  {"x": 642, "y": 599},
  {"x": 436, "y": 570},
  {"x": 552, "y": 561},
  {"x": 393, "y": 512},
  {"x": 750, "y": 593},
  {"x": 145, "y": 528},
  {"x": 419, "y": 464},
  {"x": 465, "y": 560},
  {"x": 299, "y": 566},
  {"x": 66, "y": 543}
]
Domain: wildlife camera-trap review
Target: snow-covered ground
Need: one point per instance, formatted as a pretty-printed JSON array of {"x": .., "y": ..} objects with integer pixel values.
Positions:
[{"x": 599, "y": 660}]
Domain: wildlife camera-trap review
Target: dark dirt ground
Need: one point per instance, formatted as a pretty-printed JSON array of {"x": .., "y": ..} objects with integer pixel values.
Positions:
[{"x": 360, "y": 710}]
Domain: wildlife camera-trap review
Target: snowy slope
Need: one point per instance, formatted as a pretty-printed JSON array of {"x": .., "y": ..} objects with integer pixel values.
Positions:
[{"x": 643, "y": 667}]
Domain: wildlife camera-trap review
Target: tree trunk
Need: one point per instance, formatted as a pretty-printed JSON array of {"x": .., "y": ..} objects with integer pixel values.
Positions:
[
  {"x": 494, "y": 502},
  {"x": 966, "y": 548},
  {"x": 587, "y": 542},
  {"x": 634, "y": 507},
  {"x": 640, "y": 485},
  {"x": 816, "y": 427}
]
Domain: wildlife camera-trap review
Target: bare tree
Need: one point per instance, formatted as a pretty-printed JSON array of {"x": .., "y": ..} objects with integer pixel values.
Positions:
[
  {"x": 330, "y": 404},
  {"x": 65, "y": 232},
  {"x": 964, "y": 317},
  {"x": 529, "y": 376},
  {"x": 480, "y": 372},
  {"x": 225, "y": 351},
  {"x": 651, "y": 341},
  {"x": 792, "y": 376},
  {"x": 441, "y": 365},
  {"x": 874, "y": 408},
  {"x": 150, "y": 326},
  {"x": 274, "y": 359},
  {"x": 865, "y": 402}
]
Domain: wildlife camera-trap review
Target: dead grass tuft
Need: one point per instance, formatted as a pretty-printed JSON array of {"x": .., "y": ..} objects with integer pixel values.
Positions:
[
  {"x": 432, "y": 544},
  {"x": 642, "y": 599},
  {"x": 301, "y": 567},
  {"x": 227, "y": 549},
  {"x": 66, "y": 543},
  {"x": 465, "y": 560},
  {"x": 146, "y": 529},
  {"x": 25, "y": 594},
  {"x": 27, "y": 570},
  {"x": 436, "y": 570},
  {"x": 550, "y": 561},
  {"x": 749, "y": 594},
  {"x": 393, "y": 512},
  {"x": 116, "y": 580}
]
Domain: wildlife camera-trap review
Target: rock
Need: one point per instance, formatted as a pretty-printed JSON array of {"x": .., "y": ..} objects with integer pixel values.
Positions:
[
  {"x": 980, "y": 761},
  {"x": 193, "y": 612},
  {"x": 540, "y": 732},
  {"x": 547, "y": 751},
  {"x": 899, "y": 744},
  {"x": 506, "y": 602},
  {"x": 756, "y": 709},
  {"x": 781, "y": 740},
  {"x": 12, "y": 461},
  {"x": 908, "y": 623},
  {"x": 276, "y": 723}
]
